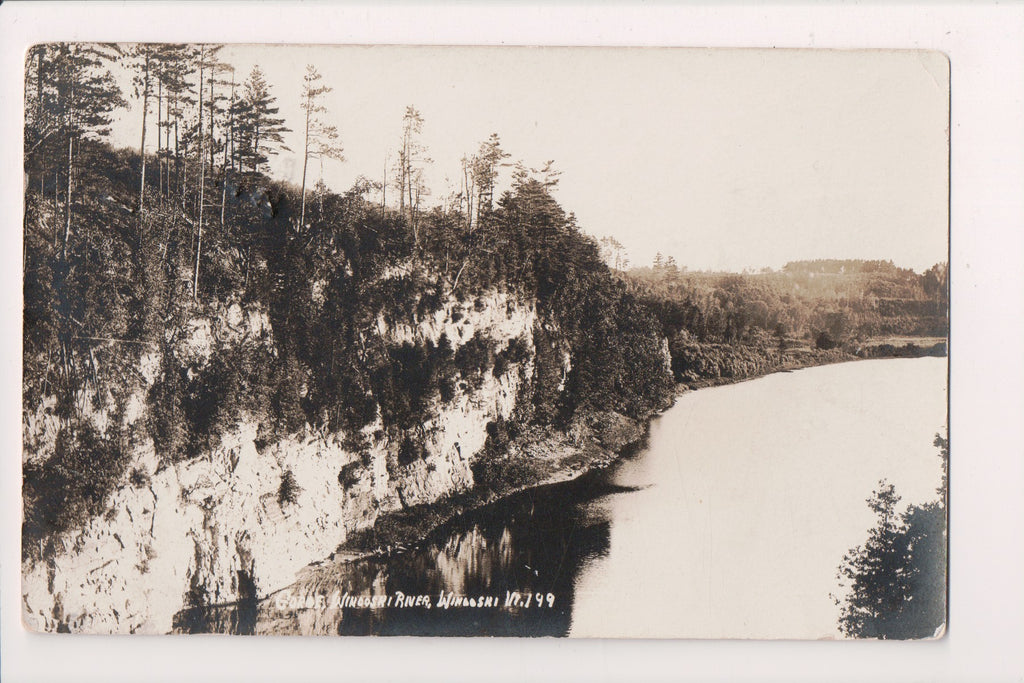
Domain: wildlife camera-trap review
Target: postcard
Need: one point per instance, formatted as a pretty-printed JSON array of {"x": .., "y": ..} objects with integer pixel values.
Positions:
[{"x": 485, "y": 341}]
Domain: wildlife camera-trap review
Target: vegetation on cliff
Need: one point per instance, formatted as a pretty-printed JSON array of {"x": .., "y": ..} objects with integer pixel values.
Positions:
[{"x": 126, "y": 251}]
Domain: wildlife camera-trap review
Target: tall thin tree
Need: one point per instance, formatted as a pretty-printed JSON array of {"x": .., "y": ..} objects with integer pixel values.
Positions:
[{"x": 321, "y": 140}]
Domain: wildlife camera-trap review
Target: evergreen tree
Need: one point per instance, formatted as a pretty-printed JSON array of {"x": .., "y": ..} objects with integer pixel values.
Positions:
[
  {"x": 896, "y": 581},
  {"x": 486, "y": 164},
  {"x": 260, "y": 130},
  {"x": 85, "y": 97},
  {"x": 321, "y": 140},
  {"x": 411, "y": 159}
]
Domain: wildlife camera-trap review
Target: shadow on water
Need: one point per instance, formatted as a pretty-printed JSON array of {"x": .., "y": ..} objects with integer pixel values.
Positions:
[{"x": 534, "y": 543}]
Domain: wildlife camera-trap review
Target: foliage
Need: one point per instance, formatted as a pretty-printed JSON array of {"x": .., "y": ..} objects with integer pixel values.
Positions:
[
  {"x": 824, "y": 341},
  {"x": 896, "y": 581},
  {"x": 289, "y": 489},
  {"x": 71, "y": 486},
  {"x": 260, "y": 130},
  {"x": 846, "y": 299}
]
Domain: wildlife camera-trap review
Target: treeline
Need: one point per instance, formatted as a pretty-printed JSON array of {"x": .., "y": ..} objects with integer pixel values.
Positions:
[
  {"x": 124, "y": 248},
  {"x": 825, "y": 304}
]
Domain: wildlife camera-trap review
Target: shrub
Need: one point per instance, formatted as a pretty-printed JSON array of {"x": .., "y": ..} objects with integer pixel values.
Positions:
[
  {"x": 410, "y": 451},
  {"x": 138, "y": 478},
  {"x": 473, "y": 358},
  {"x": 349, "y": 474},
  {"x": 289, "y": 490},
  {"x": 825, "y": 342},
  {"x": 73, "y": 485}
]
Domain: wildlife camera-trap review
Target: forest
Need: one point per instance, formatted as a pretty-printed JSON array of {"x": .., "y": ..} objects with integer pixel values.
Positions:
[
  {"x": 807, "y": 309},
  {"x": 123, "y": 248}
]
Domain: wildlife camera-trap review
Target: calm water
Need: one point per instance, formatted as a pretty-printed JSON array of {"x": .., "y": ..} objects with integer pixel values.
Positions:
[{"x": 731, "y": 522}]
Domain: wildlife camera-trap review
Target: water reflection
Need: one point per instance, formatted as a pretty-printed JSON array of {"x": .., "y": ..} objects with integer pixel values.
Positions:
[{"x": 535, "y": 543}]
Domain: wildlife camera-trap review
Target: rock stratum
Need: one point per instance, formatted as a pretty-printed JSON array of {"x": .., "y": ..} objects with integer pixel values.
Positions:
[{"x": 223, "y": 526}]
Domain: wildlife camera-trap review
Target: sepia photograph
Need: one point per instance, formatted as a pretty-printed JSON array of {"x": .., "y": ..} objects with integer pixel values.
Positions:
[{"x": 485, "y": 341}]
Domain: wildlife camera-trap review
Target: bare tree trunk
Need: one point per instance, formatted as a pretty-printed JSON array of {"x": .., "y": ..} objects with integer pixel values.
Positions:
[
  {"x": 159, "y": 150},
  {"x": 56, "y": 206},
  {"x": 255, "y": 147},
  {"x": 167, "y": 148},
  {"x": 39, "y": 114},
  {"x": 384, "y": 189},
  {"x": 183, "y": 162},
  {"x": 67, "y": 198},
  {"x": 402, "y": 158},
  {"x": 201, "y": 151},
  {"x": 229, "y": 138},
  {"x": 465, "y": 194},
  {"x": 212, "y": 152},
  {"x": 142, "y": 145},
  {"x": 408, "y": 182},
  {"x": 305, "y": 162},
  {"x": 202, "y": 185}
]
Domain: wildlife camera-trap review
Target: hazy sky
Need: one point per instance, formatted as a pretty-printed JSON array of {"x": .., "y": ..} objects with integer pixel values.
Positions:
[{"x": 724, "y": 159}]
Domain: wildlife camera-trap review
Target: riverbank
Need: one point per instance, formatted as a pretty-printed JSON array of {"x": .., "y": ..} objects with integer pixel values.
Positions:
[
  {"x": 544, "y": 456},
  {"x": 539, "y": 456},
  {"x": 711, "y": 365}
]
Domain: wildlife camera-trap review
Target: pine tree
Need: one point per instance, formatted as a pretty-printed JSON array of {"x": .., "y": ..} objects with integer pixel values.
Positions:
[
  {"x": 144, "y": 60},
  {"x": 485, "y": 166},
  {"x": 411, "y": 159},
  {"x": 261, "y": 131},
  {"x": 86, "y": 95},
  {"x": 321, "y": 140},
  {"x": 177, "y": 66},
  {"x": 74, "y": 98}
]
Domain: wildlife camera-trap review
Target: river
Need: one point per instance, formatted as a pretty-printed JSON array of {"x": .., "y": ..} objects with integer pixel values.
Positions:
[{"x": 730, "y": 522}]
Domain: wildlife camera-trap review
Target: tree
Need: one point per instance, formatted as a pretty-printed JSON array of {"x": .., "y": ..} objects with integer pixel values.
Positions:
[
  {"x": 935, "y": 282},
  {"x": 614, "y": 253},
  {"x": 659, "y": 264},
  {"x": 321, "y": 140},
  {"x": 896, "y": 581},
  {"x": 411, "y": 159},
  {"x": 86, "y": 96},
  {"x": 177, "y": 65},
  {"x": 206, "y": 62},
  {"x": 42, "y": 128},
  {"x": 260, "y": 130},
  {"x": 878, "y": 585},
  {"x": 485, "y": 166},
  {"x": 227, "y": 165},
  {"x": 144, "y": 56},
  {"x": 69, "y": 113}
]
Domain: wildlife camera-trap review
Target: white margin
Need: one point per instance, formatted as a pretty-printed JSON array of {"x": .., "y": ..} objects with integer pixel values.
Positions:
[{"x": 985, "y": 43}]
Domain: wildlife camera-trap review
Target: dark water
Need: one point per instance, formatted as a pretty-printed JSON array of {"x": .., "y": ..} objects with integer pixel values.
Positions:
[
  {"x": 533, "y": 544},
  {"x": 729, "y": 523}
]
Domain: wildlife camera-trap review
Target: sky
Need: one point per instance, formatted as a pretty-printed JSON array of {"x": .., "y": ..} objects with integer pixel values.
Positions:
[{"x": 725, "y": 159}]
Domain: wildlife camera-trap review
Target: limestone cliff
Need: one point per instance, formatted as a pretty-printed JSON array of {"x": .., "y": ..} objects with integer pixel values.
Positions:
[{"x": 240, "y": 520}]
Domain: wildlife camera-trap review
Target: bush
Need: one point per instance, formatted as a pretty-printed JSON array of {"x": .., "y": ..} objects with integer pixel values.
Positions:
[
  {"x": 410, "y": 451},
  {"x": 474, "y": 358},
  {"x": 73, "y": 485},
  {"x": 289, "y": 490},
  {"x": 825, "y": 342},
  {"x": 349, "y": 474}
]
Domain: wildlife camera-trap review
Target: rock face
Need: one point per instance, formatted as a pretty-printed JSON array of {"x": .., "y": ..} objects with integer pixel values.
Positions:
[{"x": 238, "y": 521}]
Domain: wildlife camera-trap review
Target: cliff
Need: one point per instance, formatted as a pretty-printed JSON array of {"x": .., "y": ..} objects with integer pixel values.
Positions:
[{"x": 240, "y": 520}]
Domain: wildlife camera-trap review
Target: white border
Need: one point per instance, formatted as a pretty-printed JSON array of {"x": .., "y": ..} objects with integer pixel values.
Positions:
[{"x": 985, "y": 43}]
